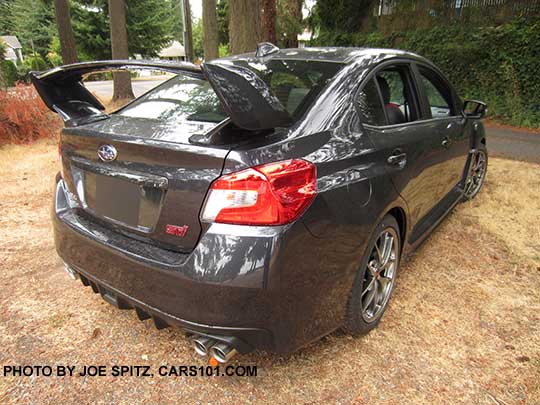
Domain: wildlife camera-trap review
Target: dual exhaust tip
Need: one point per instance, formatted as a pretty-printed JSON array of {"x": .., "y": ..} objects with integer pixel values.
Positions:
[{"x": 221, "y": 351}]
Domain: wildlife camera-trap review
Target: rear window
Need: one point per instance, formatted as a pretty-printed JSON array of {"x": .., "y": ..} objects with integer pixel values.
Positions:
[
  {"x": 191, "y": 98},
  {"x": 296, "y": 83},
  {"x": 182, "y": 98}
]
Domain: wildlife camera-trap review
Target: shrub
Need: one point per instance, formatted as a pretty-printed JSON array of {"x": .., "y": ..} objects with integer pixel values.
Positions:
[
  {"x": 8, "y": 73},
  {"x": 23, "y": 116}
]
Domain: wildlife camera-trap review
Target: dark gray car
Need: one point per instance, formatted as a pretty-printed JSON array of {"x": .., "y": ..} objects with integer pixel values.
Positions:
[{"x": 262, "y": 200}]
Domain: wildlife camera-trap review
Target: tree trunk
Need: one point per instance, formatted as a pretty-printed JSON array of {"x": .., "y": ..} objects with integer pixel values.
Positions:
[
  {"x": 210, "y": 30},
  {"x": 294, "y": 9},
  {"x": 119, "y": 45},
  {"x": 268, "y": 17},
  {"x": 244, "y": 33},
  {"x": 65, "y": 31},
  {"x": 188, "y": 32}
]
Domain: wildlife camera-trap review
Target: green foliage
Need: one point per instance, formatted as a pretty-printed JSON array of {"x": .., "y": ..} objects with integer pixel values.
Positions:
[
  {"x": 36, "y": 63},
  {"x": 223, "y": 50},
  {"x": 31, "y": 63},
  {"x": 340, "y": 15},
  {"x": 150, "y": 26},
  {"x": 495, "y": 64},
  {"x": 177, "y": 23},
  {"x": 6, "y": 17},
  {"x": 54, "y": 56},
  {"x": 222, "y": 12},
  {"x": 33, "y": 24},
  {"x": 8, "y": 73},
  {"x": 197, "y": 33},
  {"x": 288, "y": 25}
]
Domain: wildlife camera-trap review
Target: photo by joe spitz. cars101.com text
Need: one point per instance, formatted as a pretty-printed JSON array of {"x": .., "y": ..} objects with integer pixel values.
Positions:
[{"x": 264, "y": 200}]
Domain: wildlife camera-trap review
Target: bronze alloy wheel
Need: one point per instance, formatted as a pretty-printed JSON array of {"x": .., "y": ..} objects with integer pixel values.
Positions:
[
  {"x": 477, "y": 174},
  {"x": 380, "y": 274}
]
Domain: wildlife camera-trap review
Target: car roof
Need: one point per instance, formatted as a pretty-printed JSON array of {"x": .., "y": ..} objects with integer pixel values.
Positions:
[{"x": 343, "y": 55}]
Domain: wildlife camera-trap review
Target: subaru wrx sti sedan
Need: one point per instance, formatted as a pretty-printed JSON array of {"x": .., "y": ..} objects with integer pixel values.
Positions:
[{"x": 264, "y": 200}]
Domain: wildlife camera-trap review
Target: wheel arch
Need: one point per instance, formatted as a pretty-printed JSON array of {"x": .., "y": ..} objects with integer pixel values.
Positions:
[{"x": 401, "y": 218}]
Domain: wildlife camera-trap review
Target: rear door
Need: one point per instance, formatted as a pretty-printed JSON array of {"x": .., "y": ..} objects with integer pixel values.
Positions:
[
  {"x": 409, "y": 152},
  {"x": 442, "y": 109}
]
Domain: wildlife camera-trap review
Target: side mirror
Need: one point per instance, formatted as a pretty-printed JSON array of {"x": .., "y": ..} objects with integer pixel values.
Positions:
[{"x": 474, "y": 109}]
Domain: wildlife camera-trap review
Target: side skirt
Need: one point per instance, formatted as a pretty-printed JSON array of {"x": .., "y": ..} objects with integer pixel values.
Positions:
[{"x": 433, "y": 218}]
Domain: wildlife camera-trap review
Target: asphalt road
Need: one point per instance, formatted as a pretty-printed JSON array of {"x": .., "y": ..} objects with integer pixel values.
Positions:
[
  {"x": 513, "y": 144},
  {"x": 140, "y": 86},
  {"x": 503, "y": 142}
]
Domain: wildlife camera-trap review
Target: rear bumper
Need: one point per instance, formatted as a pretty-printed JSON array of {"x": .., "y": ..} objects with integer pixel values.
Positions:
[
  {"x": 272, "y": 288},
  {"x": 243, "y": 339},
  {"x": 207, "y": 291}
]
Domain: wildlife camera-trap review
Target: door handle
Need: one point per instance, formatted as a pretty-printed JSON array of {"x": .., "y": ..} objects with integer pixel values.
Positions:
[
  {"x": 397, "y": 158},
  {"x": 446, "y": 142}
]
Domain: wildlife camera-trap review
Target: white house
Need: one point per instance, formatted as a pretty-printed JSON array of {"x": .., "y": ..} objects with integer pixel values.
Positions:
[
  {"x": 13, "y": 48},
  {"x": 304, "y": 38},
  {"x": 175, "y": 51}
]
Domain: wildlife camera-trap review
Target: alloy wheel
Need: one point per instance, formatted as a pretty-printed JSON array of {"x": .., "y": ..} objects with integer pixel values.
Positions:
[
  {"x": 380, "y": 274},
  {"x": 477, "y": 173}
]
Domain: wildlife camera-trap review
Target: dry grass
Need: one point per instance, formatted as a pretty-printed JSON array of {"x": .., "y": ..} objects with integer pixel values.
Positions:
[{"x": 463, "y": 325}]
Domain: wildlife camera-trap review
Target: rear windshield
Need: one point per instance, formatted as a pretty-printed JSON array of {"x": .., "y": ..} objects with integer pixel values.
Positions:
[
  {"x": 296, "y": 83},
  {"x": 182, "y": 98},
  {"x": 185, "y": 97}
]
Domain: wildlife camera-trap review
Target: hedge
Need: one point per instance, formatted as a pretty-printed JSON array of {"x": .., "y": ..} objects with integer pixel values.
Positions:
[
  {"x": 499, "y": 65},
  {"x": 8, "y": 73}
]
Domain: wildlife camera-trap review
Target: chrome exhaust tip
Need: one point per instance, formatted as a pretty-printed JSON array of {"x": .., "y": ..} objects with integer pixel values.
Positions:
[
  {"x": 71, "y": 273},
  {"x": 223, "y": 352},
  {"x": 202, "y": 345}
]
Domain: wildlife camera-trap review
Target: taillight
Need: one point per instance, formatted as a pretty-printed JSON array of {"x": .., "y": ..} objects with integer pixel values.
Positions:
[{"x": 270, "y": 194}]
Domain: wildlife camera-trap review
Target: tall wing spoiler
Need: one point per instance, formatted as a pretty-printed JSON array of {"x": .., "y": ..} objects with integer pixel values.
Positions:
[
  {"x": 63, "y": 92},
  {"x": 245, "y": 97}
]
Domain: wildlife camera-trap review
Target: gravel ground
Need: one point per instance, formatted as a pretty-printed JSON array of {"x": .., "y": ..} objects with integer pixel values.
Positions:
[{"x": 463, "y": 325}]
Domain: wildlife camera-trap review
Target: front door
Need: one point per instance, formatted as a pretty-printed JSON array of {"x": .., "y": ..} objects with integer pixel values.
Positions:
[
  {"x": 409, "y": 148},
  {"x": 445, "y": 117}
]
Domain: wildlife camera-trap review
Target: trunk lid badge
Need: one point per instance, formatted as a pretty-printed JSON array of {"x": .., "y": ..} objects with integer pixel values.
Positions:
[
  {"x": 176, "y": 230},
  {"x": 107, "y": 153}
]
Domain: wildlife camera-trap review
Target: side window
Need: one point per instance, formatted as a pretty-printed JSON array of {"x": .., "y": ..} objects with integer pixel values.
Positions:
[
  {"x": 438, "y": 95},
  {"x": 397, "y": 94},
  {"x": 369, "y": 103}
]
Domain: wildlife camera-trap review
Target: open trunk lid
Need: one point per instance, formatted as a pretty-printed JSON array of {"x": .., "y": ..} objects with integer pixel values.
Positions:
[
  {"x": 138, "y": 170},
  {"x": 153, "y": 190}
]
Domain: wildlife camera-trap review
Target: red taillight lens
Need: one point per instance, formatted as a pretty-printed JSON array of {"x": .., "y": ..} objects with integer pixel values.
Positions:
[{"x": 270, "y": 194}]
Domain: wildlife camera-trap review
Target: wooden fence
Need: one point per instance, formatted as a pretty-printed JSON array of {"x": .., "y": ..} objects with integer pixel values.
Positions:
[{"x": 459, "y": 9}]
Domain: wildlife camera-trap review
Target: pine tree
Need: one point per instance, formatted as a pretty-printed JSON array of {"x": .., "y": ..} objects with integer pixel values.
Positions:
[
  {"x": 34, "y": 25},
  {"x": 150, "y": 26}
]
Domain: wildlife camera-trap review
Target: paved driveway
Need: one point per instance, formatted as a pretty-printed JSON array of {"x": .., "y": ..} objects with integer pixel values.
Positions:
[
  {"x": 513, "y": 144},
  {"x": 104, "y": 89}
]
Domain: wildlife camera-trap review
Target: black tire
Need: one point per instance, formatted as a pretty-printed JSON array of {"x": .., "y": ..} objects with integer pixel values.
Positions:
[
  {"x": 357, "y": 318},
  {"x": 475, "y": 179}
]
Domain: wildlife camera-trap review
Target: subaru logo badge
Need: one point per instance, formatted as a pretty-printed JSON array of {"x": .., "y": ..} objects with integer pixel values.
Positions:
[{"x": 107, "y": 153}]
